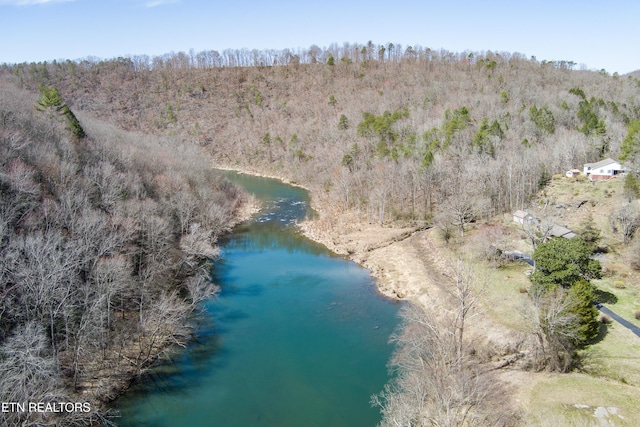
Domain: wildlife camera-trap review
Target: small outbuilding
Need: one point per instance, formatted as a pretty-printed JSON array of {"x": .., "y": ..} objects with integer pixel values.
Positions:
[
  {"x": 522, "y": 217},
  {"x": 561, "y": 231},
  {"x": 572, "y": 173}
]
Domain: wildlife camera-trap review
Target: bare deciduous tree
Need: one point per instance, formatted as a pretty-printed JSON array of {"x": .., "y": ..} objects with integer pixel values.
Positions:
[
  {"x": 29, "y": 372},
  {"x": 198, "y": 245},
  {"x": 87, "y": 230},
  {"x": 538, "y": 228},
  {"x": 437, "y": 381},
  {"x": 626, "y": 220},
  {"x": 553, "y": 329}
]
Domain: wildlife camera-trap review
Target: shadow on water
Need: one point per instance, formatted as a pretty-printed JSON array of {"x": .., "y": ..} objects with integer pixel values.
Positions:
[
  {"x": 232, "y": 315},
  {"x": 185, "y": 368},
  {"x": 248, "y": 291},
  {"x": 251, "y": 237}
]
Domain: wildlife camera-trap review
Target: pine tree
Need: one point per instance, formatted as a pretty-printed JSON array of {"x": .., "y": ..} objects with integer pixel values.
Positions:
[
  {"x": 589, "y": 232},
  {"x": 582, "y": 297},
  {"x": 630, "y": 144},
  {"x": 562, "y": 262},
  {"x": 631, "y": 187},
  {"x": 52, "y": 103},
  {"x": 343, "y": 123}
]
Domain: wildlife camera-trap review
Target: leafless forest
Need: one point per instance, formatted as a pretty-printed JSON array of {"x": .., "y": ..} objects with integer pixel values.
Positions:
[
  {"x": 104, "y": 243},
  {"x": 395, "y": 134}
]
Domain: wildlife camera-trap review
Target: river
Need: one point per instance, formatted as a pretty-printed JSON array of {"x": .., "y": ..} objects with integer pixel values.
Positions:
[{"x": 297, "y": 336}]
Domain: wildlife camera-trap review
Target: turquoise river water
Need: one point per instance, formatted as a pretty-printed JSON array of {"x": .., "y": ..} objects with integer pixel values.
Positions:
[{"x": 297, "y": 336}]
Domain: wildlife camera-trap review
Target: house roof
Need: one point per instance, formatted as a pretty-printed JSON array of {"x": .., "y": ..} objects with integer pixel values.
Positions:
[
  {"x": 601, "y": 163},
  {"x": 560, "y": 231}
]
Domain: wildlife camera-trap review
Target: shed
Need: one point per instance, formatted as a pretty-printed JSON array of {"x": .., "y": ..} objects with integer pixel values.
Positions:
[
  {"x": 522, "y": 217},
  {"x": 561, "y": 231}
]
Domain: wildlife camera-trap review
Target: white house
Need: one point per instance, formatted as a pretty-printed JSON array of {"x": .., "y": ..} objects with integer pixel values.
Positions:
[{"x": 604, "y": 169}]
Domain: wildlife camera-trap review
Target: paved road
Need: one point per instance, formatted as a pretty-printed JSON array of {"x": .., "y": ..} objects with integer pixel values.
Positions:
[
  {"x": 517, "y": 255},
  {"x": 633, "y": 328}
]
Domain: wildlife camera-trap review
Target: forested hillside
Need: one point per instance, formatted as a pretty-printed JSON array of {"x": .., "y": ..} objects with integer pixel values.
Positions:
[
  {"x": 392, "y": 135},
  {"x": 396, "y": 133},
  {"x": 104, "y": 242}
]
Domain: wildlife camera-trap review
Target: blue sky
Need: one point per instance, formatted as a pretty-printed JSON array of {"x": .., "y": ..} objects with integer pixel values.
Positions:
[{"x": 599, "y": 34}]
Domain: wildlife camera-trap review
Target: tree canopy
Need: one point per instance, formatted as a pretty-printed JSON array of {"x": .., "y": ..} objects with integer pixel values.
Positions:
[
  {"x": 563, "y": 292},
  {"x": 562, "y": 262}
]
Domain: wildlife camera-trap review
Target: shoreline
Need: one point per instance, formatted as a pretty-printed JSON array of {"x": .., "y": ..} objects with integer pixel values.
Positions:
[
  {"x": 104, "y": 390},
  {"x": 374, "y": 247},
  {"x": 406, "y": 263},
  {"x": 321, "y": 231},
  {"x": 253, "y": 172}
]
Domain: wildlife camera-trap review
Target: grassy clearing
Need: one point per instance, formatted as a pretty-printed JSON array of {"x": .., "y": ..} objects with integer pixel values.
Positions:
[
  {"x": 615, "y": 356},
  {"x": 575, "y": 399},
  {"x": 504, "y": 283},
  {"x": 570, "y": 202},
  {"x": 503, "y": 292},
  {"x": 623, "y": 297}
]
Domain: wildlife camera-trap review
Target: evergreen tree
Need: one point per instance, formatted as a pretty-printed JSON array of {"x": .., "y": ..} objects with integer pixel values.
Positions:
[
  {"x": 590, "y": 233},
  {"x": 544, "y": 179},
  {"x": 267, "y": 142},
  {"x": 543, "y": 119},
  {"x": 50, "y": 100},
  {"x": 631, "y": 187},
  {"x": 73, "y": 124},
  {"x": 381, "y": 127},
  {"x": 582, "y": 296},
  {"x": 454, "y": 122},
  {"x": 631, "y": 143},
  {"x": 52, "y": 103},
  {"x": 562, "y": 262},
  {"x": 496, "y": 130},
  {"x": 563, "y": 270},
  {"x": 587, "y": 114},
  {"x": 481, "y": 141},
  {"x": 343, "y": 123}
]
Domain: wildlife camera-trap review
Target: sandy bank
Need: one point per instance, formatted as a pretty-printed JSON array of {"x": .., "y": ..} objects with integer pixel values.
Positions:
[
  {"x": 411, "y": 264},
  {"x": 389, "y": 253}
]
